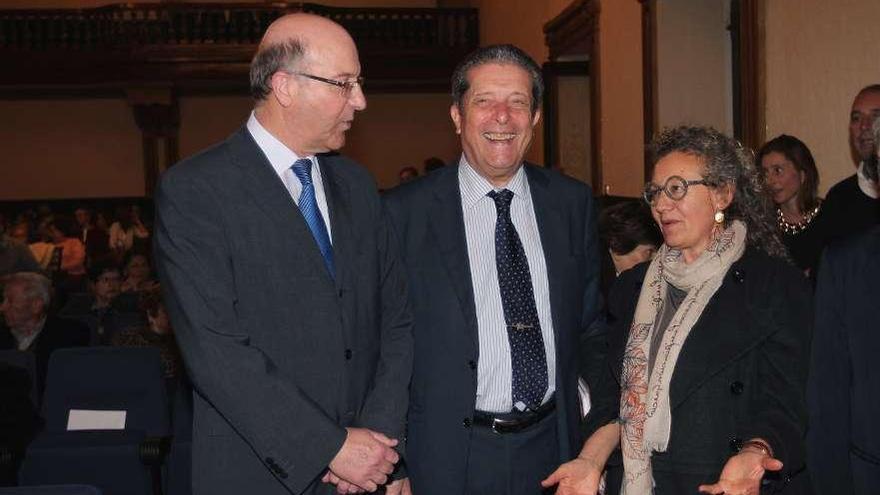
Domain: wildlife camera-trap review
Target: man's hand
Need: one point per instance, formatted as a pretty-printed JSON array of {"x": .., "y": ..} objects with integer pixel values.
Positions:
[
  {"x": 365, "y": 460},
  {"x": 742, "y": 474},
  {"x": 399, "y": 487},
  {"x": 580, "y": 476},
  {"x": 342, "y": 487}
]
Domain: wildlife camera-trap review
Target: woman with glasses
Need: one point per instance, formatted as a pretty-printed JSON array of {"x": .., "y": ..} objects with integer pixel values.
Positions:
[
  {"x": 792, "y": 181},
  {"x": 708, "y": 342}
]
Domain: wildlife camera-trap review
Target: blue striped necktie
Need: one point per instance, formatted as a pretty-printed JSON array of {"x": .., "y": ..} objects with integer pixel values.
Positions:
[{"x": 308, "y": 206}]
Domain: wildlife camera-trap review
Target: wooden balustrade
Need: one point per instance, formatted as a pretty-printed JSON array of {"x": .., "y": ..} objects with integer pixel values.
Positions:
[{"x": 198, "y": 45}]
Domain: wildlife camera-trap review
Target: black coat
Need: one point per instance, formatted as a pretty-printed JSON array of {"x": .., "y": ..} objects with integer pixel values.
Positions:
[
  {"x": 844, "y": 438},
  {"x": 741, "y": 374}
]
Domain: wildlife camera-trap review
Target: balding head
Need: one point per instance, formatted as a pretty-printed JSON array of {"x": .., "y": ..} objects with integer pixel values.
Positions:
[
  {"x": 865, "y": 109},
  {"x": 292, "y": 42}
]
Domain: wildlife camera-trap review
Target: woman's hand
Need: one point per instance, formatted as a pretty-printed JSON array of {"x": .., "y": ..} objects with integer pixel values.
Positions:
[
  {"x": 579, "y": 476},
  {"x": 742, "y": 473}
]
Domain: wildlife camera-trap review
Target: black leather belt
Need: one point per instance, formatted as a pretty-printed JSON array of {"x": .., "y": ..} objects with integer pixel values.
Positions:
[{"x": 513, "y": 422}]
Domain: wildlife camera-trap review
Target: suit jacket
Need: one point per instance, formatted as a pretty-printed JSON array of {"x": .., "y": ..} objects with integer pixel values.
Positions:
[
  {"x": 844, "y": 375},
  {"x": 428, "y": 220},
  {"x": 740, "y": 375},
  {"x": 282, "y": 357},
  {"x": 57, "y": 333}
]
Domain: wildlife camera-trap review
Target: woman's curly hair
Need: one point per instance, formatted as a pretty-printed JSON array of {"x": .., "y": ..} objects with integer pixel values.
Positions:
[{"x": 726, "y": 161}]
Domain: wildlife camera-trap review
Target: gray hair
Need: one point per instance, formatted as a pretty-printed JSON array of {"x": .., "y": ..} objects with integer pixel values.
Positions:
[
  {"x": 727, "y": 162},
  {"x": 271, "y": 59},
  {"x": 497, "y": 54},
  {"x": 33, "y": 285}
]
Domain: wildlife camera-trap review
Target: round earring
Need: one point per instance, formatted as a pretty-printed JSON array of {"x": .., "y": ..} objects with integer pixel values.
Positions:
[{"x": 719, "y": 216}]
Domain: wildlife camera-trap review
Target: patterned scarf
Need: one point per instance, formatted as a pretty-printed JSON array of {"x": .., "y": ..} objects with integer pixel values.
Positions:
[{"x": 645, "y": 413}]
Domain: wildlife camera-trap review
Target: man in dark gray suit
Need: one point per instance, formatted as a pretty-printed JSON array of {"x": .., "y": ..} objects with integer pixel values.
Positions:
[
  {"x": 503, "y": 271},
  {"x": 287, "y": 298}
]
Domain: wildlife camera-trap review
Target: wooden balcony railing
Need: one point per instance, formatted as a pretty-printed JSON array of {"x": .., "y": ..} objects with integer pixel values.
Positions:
[{"x": 210, "y": 44}]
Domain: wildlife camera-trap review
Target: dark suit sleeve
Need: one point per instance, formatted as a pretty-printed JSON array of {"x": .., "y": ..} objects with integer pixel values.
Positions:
[
  {"x": 829, "y": 385},
  {"x": 593, "y": 328},
  {"x": 779, "y": 413},
  {"x": 267, "y": 409},
  {"x": 386, "y": 404}
]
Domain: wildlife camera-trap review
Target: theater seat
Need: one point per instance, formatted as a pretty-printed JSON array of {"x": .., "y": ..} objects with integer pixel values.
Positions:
[
  {"x": 52, "y": 490},
  {"x": 107, "y": 422}
]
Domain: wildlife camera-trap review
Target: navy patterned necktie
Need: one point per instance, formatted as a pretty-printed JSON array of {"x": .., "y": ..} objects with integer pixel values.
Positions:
[
  {"x": 528, "y": 359},
  {"x": 308, "y": 205}
]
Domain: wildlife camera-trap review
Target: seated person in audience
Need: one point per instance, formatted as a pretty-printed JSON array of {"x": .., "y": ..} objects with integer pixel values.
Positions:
[
  {"x": 127, "y": 228},
  {"x": 407, "y": 174},
  {"x": 42, "y": 249},
  {"x": 156, "y": 333},
  {"x": 433, "y": 163},
  {"x": 137, "y": 272},
  {"x": 94, "y": 239},
  {"x": 25, "y": 308},
  {"x": 19, "y": 420},
  {"x": 15, "y": 256},
  {"x": 73, "y": 255},
  {"x": 792, "y": 182},
  {"x": 104, "y": 309}
]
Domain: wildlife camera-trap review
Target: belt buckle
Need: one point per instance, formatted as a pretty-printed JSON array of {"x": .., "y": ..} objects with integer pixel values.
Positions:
[{"x": 495, "y": 423}]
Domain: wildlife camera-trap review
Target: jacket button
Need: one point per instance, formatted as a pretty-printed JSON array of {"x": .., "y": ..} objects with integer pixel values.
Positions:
[
  {"x": 736, "y": 388},
  {"x": 472, "y": 364},
  {"x": 735, "y": 444},
  {"x": 466, "y": 422},
  {"x": 348, "y": 354}
]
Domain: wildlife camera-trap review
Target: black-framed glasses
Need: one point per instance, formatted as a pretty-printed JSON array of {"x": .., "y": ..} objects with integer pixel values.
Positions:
[
  {"x": 345, "y": 86},
  {"x": 675, "y": 188}
]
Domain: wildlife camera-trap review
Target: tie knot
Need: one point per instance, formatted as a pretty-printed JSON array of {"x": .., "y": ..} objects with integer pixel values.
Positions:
[
  {"x": 302, "y": 169},
  {"x": 502, "y": 199}
]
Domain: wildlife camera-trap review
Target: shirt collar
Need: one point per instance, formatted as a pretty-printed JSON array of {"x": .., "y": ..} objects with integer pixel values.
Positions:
[
  {"x": 867, "y": 186},
  {"x": 475, "y": 187},
  {"x": 280, "y": 156}
]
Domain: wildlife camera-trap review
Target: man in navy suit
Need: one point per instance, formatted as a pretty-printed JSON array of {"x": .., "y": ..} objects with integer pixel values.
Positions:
[
  {"x": 286, "y": 295},
  {"x": 502, "y": 266}
]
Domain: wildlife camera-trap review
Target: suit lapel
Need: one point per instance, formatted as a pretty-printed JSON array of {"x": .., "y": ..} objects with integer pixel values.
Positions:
[
  {"x": 339, "y": 204},
  {"x": 554, "y": 241},
  {"x": 447, "y": 228}
]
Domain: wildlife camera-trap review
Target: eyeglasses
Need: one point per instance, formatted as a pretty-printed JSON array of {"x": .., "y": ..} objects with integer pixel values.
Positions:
[
  {"x": 345, "y": 86},
  {"x": 675, "y": 188}
]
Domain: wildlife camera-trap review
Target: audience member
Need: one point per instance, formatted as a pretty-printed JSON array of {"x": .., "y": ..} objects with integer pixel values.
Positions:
[
  {"x": 407, "y": 174},
  {"x": 95, "y": 240},
  {"x": 19, "y": 421},
  {"x": 156, "y": 332},
  {"x": 126, "y": 231},
  {"x": 41, "y": 247},
  {"x": 709, "y": 343},
  {"x": 62, "y": 233},
  {"x": 15, "y": 256},
  {"x": 792, "y": 181},
  {"x": 503, "y": 265},
  {"x": 104, "y": 309},
  {"x": 137, "y": 272},
  {"x": 25, "y": 308},
  {"x": 852, "y": 204}
]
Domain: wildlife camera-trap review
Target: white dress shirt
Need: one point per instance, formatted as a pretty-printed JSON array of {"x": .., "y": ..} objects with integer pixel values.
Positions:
[
  {"x": 494, "y": 370},
  {"x": 282, "y": 159}
]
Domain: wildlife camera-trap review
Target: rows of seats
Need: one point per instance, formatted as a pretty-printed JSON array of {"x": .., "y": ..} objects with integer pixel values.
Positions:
[{"x": 108, "y": 424}]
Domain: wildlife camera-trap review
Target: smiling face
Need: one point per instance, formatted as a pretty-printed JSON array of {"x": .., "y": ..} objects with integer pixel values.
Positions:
[
  {"x": 495, "y": 120},
  {"x": 688, "y": 223},
  {"x": 865, "y": 109},
  {"x": 783, "y": 178}
]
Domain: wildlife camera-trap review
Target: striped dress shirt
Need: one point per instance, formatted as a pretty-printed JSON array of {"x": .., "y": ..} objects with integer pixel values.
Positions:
[{"x": 494, "y": 373}]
